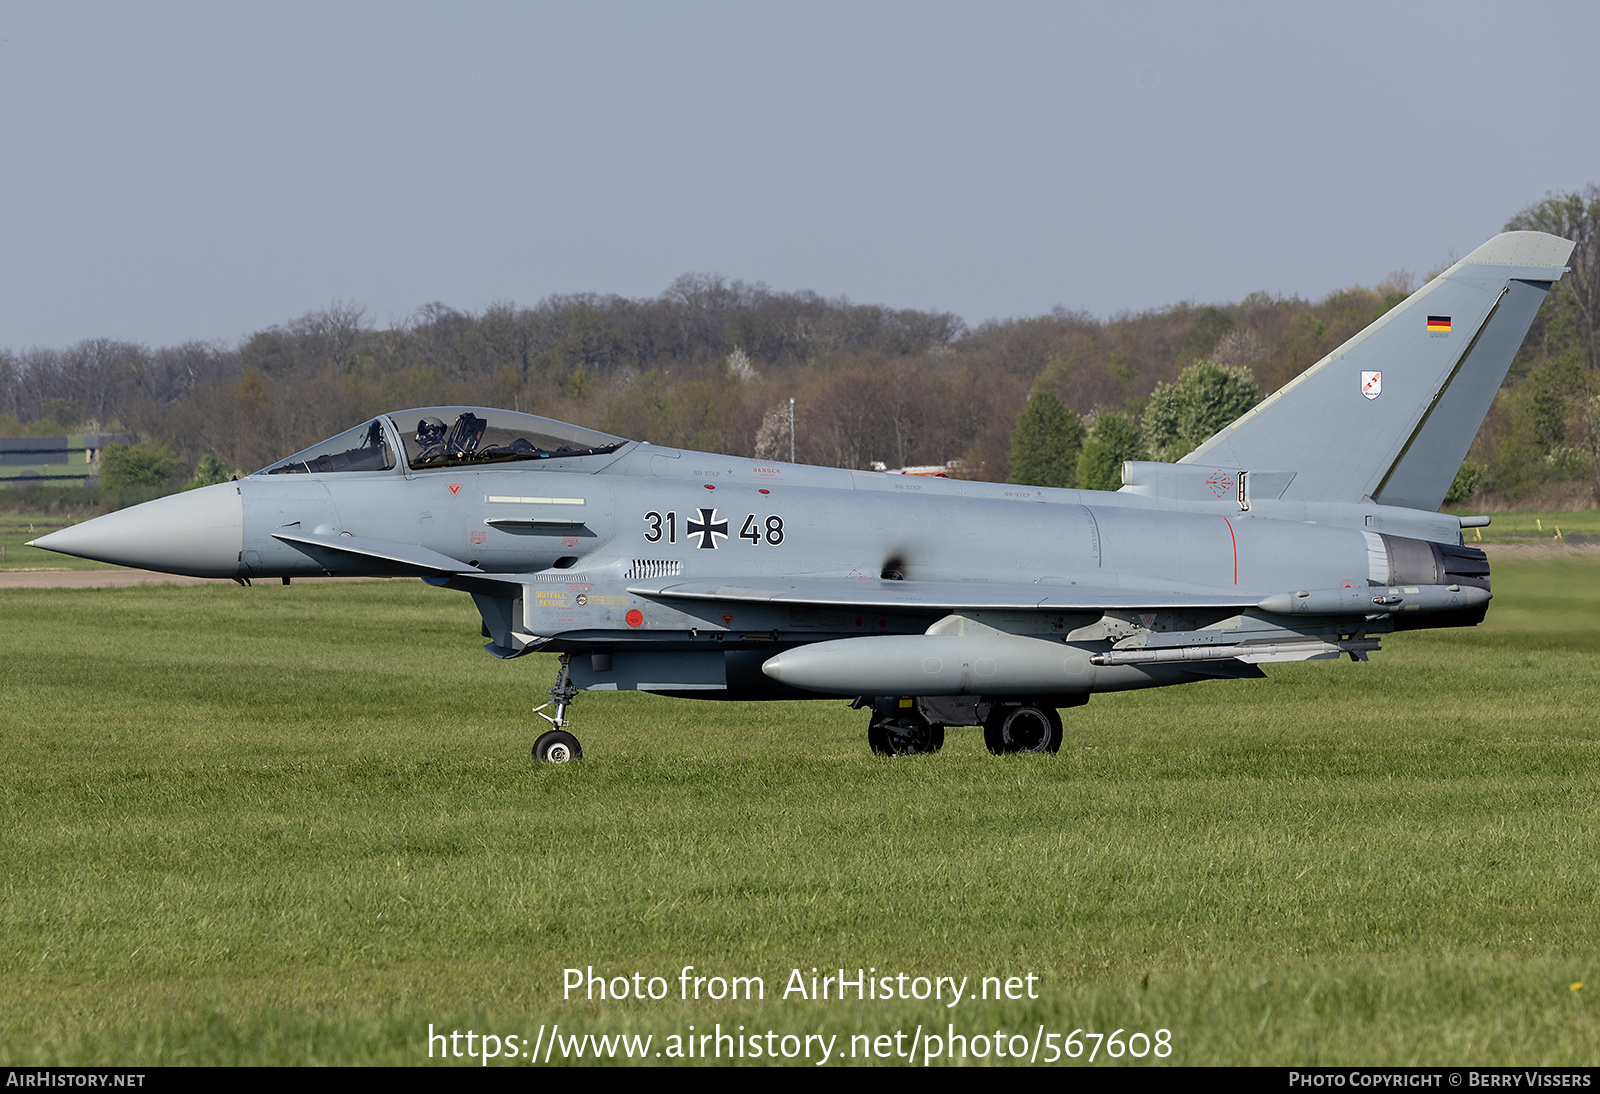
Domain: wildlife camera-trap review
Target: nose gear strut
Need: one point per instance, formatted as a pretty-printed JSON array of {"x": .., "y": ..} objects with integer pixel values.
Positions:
[
  {"x": 563, "y": 694},
  {"x": 556, "y": 745}
]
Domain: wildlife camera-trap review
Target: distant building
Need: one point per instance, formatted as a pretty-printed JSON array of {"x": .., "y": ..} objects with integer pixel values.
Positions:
[
  {"x": 54, "y": 461},
  {"x": 949, "y": 470}
]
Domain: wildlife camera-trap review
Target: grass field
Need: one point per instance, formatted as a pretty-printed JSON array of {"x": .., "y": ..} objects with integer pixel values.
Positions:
[
  {"x": 1539, "y": 525},
  {"x": 298, "y": 825}
]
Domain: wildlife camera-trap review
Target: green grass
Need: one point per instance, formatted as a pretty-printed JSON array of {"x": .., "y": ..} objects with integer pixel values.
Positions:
[
  {"x": 292, "y": 825},
  {"x": 1538, "y": 525}
]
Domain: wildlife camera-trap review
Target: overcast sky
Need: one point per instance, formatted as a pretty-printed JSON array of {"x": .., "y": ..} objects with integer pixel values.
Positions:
[{"x": 172, "y": 172}]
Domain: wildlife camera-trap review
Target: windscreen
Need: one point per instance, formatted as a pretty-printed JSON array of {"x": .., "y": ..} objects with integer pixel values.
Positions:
[
  {"x": 364, "y": 448},
  {"x": 456, "y": 436}
]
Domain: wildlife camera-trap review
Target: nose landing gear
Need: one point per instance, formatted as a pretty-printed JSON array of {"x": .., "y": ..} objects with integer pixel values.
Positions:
[{"x": 556, "y": 745}]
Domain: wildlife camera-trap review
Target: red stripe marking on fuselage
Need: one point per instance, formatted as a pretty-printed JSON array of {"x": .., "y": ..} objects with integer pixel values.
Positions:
[{"x": 1235, "y": 541}]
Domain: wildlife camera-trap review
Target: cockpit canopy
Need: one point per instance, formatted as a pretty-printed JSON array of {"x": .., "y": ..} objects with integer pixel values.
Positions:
[
  {"x": 448, "y": 436},
  {"x": 453, "y": 436},
  {"x": 364, "y": 448}
]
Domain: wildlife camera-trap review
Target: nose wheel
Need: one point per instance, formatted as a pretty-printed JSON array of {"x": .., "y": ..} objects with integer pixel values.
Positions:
[{"x": 556, "y": 745}]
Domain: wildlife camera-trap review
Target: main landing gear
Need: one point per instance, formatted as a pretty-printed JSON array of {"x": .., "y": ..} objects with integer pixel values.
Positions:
[
  {"x": 904, "y": 726},
  {"x": 1022, "y": 728},
  {"x": 556, "y": 745},
  {"x": 898, "y": 728}
]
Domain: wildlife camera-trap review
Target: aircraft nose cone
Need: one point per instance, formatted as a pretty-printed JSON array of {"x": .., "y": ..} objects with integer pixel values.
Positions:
[{"x": 198, "y": 533}]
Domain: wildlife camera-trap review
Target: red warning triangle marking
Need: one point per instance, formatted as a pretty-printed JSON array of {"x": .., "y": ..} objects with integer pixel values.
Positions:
[
  {"x": 454, "y": 487},
  {"x": 727, "y": 620}
]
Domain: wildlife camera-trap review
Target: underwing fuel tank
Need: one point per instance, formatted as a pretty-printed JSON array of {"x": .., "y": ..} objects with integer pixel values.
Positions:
[{"x": 991, "y": 663}]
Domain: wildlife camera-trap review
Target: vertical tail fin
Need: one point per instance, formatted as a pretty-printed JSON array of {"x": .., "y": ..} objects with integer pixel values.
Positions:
[{"x": 1390, "y": 414}]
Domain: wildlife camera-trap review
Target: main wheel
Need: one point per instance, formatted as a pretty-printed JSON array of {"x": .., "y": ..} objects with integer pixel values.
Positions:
[
  {"x": 557, "y": 747},
  {"x": 888, "y": 737},
  {"x": 1022, "y": 729}
]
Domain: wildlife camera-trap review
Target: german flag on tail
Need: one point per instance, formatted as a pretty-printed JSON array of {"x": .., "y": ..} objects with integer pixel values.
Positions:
[{"x": 1438, "y": 324}]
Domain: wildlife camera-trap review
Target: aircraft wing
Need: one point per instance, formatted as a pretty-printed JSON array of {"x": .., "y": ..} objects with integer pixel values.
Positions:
[{"x": 874, "y": 595}]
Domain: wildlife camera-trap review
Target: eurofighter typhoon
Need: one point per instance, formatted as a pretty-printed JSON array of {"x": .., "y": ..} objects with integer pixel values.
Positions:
[{"x": 1305, "y": 530}]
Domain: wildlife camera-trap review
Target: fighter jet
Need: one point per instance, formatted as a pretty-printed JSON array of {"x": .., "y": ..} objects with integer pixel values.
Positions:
[{"x": 1305, "y": 530}]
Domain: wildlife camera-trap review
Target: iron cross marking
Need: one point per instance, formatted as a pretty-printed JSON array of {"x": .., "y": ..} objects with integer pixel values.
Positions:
[{"x": 708, "y": 528}]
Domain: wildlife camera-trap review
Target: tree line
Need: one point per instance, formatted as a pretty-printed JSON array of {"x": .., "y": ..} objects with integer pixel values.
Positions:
[{"x": 711, "y": 364}]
